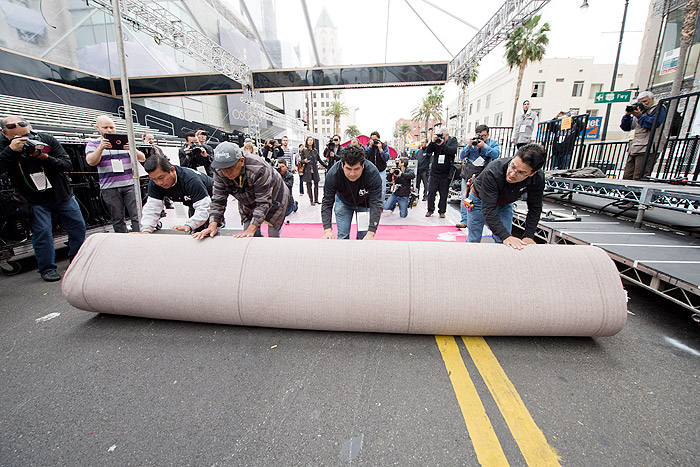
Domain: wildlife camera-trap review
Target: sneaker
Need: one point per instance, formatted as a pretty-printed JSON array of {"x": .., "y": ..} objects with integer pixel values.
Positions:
[
  {"x": 50, "y": 276},
  {"x": 442, "y": 215},
  {"x": 429, "y": 213},
  {"x": 461, "y": 225}
]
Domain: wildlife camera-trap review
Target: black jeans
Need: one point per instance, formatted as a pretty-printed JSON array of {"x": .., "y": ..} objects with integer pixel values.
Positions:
[
  {"x": 422, "y": 177},
  {"x": 438, "y": 184}
]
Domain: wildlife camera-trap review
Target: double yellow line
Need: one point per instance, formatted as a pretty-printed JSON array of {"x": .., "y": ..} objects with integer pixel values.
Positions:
[{"x": 530, "y": 439}]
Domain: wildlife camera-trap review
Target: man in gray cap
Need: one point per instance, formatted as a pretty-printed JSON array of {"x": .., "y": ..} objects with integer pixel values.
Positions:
[
  {"x": 640, "y": 118},
  {"x": 259, "y": 189}
]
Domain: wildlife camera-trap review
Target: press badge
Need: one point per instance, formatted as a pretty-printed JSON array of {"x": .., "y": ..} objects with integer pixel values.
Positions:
[
  {"x": 523, "y": 128},
  {"x": 362, "y": 221},
  {"x": 441, "y": 159},
  {"x": 40, "y": 181},
  {"x": 479, "y": 161},
  {"x": 200, "y": 168},
  {"x": 117, "y": 165}
]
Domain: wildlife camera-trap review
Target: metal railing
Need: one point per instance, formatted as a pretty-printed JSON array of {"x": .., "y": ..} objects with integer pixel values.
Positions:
[
  {"x": 152, "y": 120},
  {"x": 122, "y": 114},
  {"x": 608, "y": 156},
  {"x": 564, "y": 146}
]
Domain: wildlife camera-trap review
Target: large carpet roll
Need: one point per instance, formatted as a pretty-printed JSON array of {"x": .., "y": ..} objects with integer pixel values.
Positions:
[{"x": 372, "y": 286}]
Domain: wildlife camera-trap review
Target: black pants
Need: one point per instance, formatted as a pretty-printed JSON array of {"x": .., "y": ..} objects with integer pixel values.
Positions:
[
  {"x": 422, "y": 177},
  {"x": 438, "y": 184}
]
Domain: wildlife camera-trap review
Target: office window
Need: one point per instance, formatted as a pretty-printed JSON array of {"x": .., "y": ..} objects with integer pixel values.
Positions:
[
  {"x": 560, "y": 80},
  {"x": 476, "y": 123},
  {"x": 478, "y": 105},
  {"x": 314, "y": 104},
  {"x": 537, "y": 89},
  {"x": 486, "y": 121},
  {"x": 577, "y": 91},
  {"x": 469, "y": 127},
  {"x": 574, "y": 111},
  {"x": 470, "y": 108},
  {"x": 498, "y": 119},
  {"x": 592, "y": 112},
  {"x": 595, "y": 87},
  {"x": 488, "y": 101}
]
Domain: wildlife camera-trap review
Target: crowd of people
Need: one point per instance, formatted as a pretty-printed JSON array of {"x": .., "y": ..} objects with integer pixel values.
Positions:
[{"x": 357, "y": 179}]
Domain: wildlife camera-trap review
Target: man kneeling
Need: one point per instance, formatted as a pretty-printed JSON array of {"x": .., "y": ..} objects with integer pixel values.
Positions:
[{"x": 501, "y": 183}]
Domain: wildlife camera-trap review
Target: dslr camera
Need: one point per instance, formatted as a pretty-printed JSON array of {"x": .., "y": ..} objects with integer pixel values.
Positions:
[
  {"x": 195, "y": 148},
  {"x": 476, "y": 139},
  {"x": 376, "y": 141},
  {"x": 330, "y": 142},
  {"x": 636, "y": 106},
  {"x": 396, "y": 171},
  {"x": 33, "y": 145},
  {"x": 438, "y": 138}
]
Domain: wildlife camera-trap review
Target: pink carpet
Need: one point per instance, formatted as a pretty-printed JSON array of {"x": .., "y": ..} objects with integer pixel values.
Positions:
[{"x": 439, "y": 233}]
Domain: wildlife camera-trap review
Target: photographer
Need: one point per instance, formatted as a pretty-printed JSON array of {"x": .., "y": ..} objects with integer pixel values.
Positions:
[
  {"x": 192, "y": 188},
  {"x": 479, "y": 151},
  {"x": 36, "y": 164},
  {"x": 271, "y": 151},
  {"x": 194, "y": 154},
  {"x": 423, "y": 168},
  {"x": 288, "y": 178},
  {"x": 153, "y": 149},
  {"x": 401, "y": 177},
  {"x": 115, "y": 175},
  {"x": 332, "y": 151},
  {"x": 443, "y": 149},
  {"x": 378, "y": 154},
  {"x": 640, "y": 118}
]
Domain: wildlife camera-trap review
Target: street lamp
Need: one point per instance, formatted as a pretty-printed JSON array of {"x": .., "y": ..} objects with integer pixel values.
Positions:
[{"x": 617, "y": 62}]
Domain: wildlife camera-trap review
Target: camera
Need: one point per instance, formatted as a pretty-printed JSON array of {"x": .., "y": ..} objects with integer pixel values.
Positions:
[
  {"x": 636, "y": 106},
  {"x": 396, "y": 172},
  {"x": 476, "y": 139},
  {"x": 33, "y": 145},
  {"x": 376, "y": 141},
  {"x": 438, "y": 138}
]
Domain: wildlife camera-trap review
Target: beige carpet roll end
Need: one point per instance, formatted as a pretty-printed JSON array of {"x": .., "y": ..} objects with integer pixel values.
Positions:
[{"x": 365, "y": 286}]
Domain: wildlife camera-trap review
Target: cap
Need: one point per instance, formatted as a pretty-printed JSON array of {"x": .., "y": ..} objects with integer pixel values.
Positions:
[{"x": 226, "y": 155}]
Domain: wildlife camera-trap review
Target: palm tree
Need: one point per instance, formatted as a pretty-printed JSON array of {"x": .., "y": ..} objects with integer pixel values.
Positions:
[
  {"x": 336, "y": 110},
  {"x": 525, "y": 45},
  {"x": 351, "y": 131},
  {"x": 430, "y": 108},
  {"x": 403, "y": 129}
]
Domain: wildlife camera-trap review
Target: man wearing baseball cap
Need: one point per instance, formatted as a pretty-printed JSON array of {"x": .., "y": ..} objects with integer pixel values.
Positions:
[{"x": 259, "y": 189}]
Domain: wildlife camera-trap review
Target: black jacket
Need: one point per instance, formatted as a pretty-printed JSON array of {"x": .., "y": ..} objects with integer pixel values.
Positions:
[
  {"x": 493, "y": 190},
  {"x": 54, "y": 167},
  {"x": 336, "y": 155},
  {"x": 423, "y": 160},
  {"x": 449, "y": 150},
  {"x": 192, "y": 160},
  {"x": 403, "y": 183}
]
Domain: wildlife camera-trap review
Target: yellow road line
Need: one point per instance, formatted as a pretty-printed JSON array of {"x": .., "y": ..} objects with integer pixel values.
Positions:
[
  {"x": 530, "y": 439},
  {"x": 486, "y": 445}
]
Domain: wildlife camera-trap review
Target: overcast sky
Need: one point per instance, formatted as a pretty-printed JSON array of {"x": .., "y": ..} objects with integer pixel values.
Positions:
[{"x": 362, "y": 30}]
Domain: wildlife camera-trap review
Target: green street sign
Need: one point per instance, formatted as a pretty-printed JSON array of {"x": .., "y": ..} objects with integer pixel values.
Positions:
[{"x": 612, "y": 97}]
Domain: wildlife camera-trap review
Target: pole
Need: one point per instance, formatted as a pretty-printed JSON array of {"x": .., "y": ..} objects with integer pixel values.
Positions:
[
  {"x": 126, "y": 98},
  {"x": 614, "y": 76}
]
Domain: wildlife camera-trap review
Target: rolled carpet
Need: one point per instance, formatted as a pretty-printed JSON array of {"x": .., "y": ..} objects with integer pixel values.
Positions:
[{"x": 368, "y": 286}]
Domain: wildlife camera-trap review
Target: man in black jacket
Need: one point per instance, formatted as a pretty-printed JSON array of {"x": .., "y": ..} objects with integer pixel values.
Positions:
[
  {"x": 195, "y": 155},
  {"x": 378, "y": 154},
  {"x": 423, "y": 168},
  {"x": 443, "y": 149},
  {"x": 332, "y": 151},
  {"x": 36, "y": 164},
  {"x": 501, "y": 183},
  {"x": 354, "y": 187}
]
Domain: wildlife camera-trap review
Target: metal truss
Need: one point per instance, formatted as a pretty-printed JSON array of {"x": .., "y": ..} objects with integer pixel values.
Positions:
[
  {"x": 508, "y": 18},
  {"x": 167, "y": 28},
  {"x": 676, "y": 201},
  {"x": 679, "y": 292}
]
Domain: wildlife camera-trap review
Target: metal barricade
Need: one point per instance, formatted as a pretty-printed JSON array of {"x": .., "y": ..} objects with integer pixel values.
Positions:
[
  {"x": 564, "y": 146},
  {"x": 152, "y": 120}
]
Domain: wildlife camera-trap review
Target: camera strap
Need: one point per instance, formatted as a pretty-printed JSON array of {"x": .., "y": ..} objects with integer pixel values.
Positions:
[{"x": 38, "y": 179}]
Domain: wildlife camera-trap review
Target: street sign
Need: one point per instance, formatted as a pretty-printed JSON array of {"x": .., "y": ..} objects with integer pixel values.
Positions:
[
  {"x": 612, "y": 97},
  {"x": 593, "y": 129}
]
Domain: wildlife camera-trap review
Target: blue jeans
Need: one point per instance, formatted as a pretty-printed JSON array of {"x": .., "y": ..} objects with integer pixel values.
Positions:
[
  {"x": 382, "y": 175},
  {"x": 475, "y": 220},
  {"x": 343, "y": 218},
  {"x": 271, "y": 231},
  {"x": 462, "y": 210},
  {"x": 69, "y": 217},
  {"x": 401, "y": 200}
]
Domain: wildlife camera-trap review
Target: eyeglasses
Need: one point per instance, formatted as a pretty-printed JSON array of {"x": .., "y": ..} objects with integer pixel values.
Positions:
[
  {"x": 519, "y": 173},
  {"x": 336, "y": 139},
  {"x": 12, "y": 126}
]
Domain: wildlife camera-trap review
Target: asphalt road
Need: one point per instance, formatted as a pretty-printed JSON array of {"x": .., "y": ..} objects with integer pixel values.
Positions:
[{"x": 87, "y": 389}]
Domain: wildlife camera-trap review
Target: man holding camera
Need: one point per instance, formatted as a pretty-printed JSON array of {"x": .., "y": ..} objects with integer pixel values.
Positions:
[
  {"x": 36, "y": 164},
  {"x": 259, "y": 189},
  {"x": 401, "y": 177},
  {"x": 288, "y": 178},
  {"x": 443, "y": 149},
  {"x": 479, "y": 151},
  {"x": 423, "y": 168},
  {"x": 499, "y": 185},
  {"x": 192, "y": 188},
  {"x": 353, "y": 187},
  {"x": 378, "y": 154},
  {"x": 194, "y": 154},
  {"x": 640, "y": 118},
  {"x": 115, "y": 175},
  {"x": 332, "y": 151}
]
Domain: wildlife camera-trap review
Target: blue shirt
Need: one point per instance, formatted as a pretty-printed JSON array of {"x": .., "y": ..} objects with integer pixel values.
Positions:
[{"x": 491, "y": 150}]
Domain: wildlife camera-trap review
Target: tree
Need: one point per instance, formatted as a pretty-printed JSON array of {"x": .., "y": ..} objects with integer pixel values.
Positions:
[
  {"x": 351, "y": 131},
  {"x": 430, "y": 107},
  {"x": 525, "y": 45},
  {"x": 336, "y": 110},
  {"x": 404, "y": 128},
  {"x": 687, "y": 33}
]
